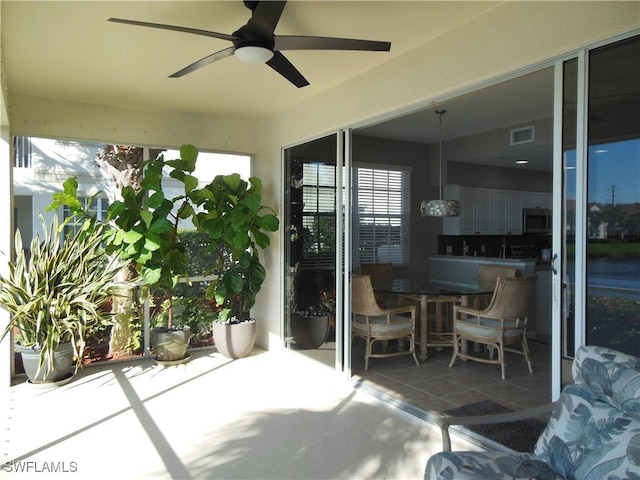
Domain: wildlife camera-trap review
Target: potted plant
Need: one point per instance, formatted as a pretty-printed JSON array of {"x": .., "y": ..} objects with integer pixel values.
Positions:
[
  {"x": 312, "y": 314},
  {"x": 142, "y": 228},
  {"x": 310, "y": 325},
  {"x": 56, "y": 293},
  {"x": 145, "y": 225},
  {"x": 227, "y": 211},
  {"x": 236, "y": 221}
]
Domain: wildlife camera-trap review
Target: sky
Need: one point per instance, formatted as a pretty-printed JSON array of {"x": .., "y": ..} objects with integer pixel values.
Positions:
[{"x": 613, "y": 173}]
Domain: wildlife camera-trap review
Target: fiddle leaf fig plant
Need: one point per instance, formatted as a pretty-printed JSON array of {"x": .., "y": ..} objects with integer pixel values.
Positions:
[
  {"x": 147, "y": 223},
  {"x": 232, "y": 214},
  {"x": 228, "y": 211}
]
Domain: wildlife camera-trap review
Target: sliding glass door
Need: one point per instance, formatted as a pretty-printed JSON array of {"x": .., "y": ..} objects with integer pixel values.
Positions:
[
  {"x": 597, "y": 190},
  {"x": 612, "y": 313},
  {"x": 313, "y": 225}
]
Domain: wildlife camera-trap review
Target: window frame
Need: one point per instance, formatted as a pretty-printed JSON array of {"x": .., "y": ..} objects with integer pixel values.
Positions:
[{"x": 403, "y": 188}]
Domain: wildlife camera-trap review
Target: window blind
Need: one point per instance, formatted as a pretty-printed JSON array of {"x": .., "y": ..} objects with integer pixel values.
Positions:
[
  {"x": 381, "y": 214},
  {"x": 319, "y": 216}
]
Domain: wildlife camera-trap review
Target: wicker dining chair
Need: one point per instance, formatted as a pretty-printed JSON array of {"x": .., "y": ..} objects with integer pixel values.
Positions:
[
  {"x": 502, "y": 323},
  {"x": 487, "y": 278},
  {"x": 381, "y": 275},
  {"x": 376, "y": 324}
]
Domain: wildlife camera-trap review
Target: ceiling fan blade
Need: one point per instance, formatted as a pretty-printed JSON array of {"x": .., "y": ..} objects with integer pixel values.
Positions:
[
  {"x": 209, "y": 59},
  {"x": 266, "y": 15},
  {"x": 298, "y": 42},
  {"x": 175, "y": 28},
  {"x": 285, "y": 68}
]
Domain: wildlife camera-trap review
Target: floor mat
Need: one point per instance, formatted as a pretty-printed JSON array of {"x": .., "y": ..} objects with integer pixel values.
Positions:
[{"x": 520, "y": 436}]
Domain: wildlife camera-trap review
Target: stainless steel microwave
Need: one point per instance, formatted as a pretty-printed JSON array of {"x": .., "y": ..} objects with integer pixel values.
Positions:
[{"x": 536, "y": 220}]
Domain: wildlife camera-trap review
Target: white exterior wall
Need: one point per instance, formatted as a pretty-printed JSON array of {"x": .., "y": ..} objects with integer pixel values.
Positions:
[
  {"x": 510, "y": 37},
  {"x": 54, "y": 161},
  {"x": 6, "y": 219}
]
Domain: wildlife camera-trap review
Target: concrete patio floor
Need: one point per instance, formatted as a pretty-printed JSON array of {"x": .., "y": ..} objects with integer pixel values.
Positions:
[{"x": 273, "y": 415}]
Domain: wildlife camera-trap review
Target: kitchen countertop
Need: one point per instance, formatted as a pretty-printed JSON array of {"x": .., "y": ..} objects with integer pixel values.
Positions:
[
  {"x": 461, "y": 270},
  {"x": 489, "y": 259}
]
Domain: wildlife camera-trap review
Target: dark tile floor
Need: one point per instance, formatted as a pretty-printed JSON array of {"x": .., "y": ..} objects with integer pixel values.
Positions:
[{"x": 434, "y": 386}]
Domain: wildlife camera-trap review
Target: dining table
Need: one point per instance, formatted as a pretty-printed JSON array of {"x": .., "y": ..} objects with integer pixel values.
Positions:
[{"x": 431, "y": 291}]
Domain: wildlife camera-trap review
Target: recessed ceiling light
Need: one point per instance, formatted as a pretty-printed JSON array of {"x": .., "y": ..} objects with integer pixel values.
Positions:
[
  {"x": 601, "y": 150},
  {"x": 522, "y": 162}
]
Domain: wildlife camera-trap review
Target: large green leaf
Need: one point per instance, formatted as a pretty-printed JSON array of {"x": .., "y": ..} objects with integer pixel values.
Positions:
[
  {"x": 151, "y": 275},
  {"x": 189, "y": 154},
  {"x": 177, "y": 261},
  {"x": 186, "y": 211},
  {"x": 190, "y": 183},
  {"x": 155, "y": 200},
  {"x": 152, "y": 242},
  {"x": 161, "y": 225},
  {"x": 220, "y": 293},
  {"x": 177, "y": 172},
  {"x": 131, "y": 237},
  {"x": 68, "y": 196},
  {"x": 252, "y": 202},
  {"x": 146, "y": 217},
  {"x": 268, "y": 222},
  {"x": 261, "y": 239},
  {"x": 256, "y": 184},
  {"x": 234, "y": 182},
  {"x": 233, "y": 282}
]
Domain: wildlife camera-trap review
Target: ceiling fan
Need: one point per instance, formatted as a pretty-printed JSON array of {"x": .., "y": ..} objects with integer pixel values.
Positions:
[{"x": 256, "y": 42}]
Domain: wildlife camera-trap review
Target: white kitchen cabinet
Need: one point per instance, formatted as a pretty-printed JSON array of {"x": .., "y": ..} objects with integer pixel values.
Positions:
[
  {"x": 491, "y": 211},
  {"x": 536, "y": 200},
  {"x": 478, "y": 211},
  {"x": 484, "y": 211},
  {"x": 468, "y": 211},
  {"x": 500, "y": 208},
  {"x": 514, "y": 213}
]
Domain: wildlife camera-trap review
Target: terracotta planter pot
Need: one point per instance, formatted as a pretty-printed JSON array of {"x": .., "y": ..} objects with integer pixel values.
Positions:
[{"x": 235, "y": 340}]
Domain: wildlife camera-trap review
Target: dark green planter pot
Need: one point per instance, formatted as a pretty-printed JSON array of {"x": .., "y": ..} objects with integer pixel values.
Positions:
[
  {"x": 62, "y": 364},
  {"x": 235, "y": 340},
  {"x": 310, "y": 332},
  {"x": 170, "y": 345}
]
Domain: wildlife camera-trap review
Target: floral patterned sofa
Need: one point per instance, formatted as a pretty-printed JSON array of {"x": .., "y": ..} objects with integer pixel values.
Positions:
[{"x": 593, "y": 432}]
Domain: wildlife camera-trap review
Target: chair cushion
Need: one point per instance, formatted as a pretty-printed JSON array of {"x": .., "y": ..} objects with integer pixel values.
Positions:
[
  {"x": 613, "y": 377},
  {"x": 588, "y": 439},
  {"x": 398, "y": 325},
  {"x": 485, "y": 465}
]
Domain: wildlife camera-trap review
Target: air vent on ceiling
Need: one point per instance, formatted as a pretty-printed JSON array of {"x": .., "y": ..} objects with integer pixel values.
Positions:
[{"x": 523, "y": 135}]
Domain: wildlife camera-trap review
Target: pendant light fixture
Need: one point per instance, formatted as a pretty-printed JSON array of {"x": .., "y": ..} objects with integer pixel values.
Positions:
[{"x": 440, "y": 207}]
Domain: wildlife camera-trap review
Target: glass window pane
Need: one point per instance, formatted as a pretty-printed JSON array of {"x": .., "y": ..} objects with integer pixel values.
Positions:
[
  {"x": 381, "y": 215},
  {"x": 310, "y": 222},
  {"x": 613, "y": 198}
]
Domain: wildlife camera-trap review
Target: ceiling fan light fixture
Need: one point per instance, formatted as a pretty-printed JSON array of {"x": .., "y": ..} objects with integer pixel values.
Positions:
[{"x": 253, "y": 54}]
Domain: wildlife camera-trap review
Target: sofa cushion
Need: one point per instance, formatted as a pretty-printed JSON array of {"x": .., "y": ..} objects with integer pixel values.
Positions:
[
  {"x": 613, "y": 377},
  {"x": 588, "y": 439},
  {"x": 485, "y": 465}
]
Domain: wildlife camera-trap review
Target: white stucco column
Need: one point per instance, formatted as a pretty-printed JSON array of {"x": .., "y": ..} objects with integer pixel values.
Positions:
[{"x": 6, "y": 247}]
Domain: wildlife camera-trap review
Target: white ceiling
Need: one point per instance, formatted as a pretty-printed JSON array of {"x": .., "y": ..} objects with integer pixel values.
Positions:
[
  {"x": 68, "y": 51},
  {"x": 517, "y": 102}
]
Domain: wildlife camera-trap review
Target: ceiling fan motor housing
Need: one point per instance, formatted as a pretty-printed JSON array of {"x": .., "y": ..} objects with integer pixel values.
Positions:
[{"x": 248, "y": 37}]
